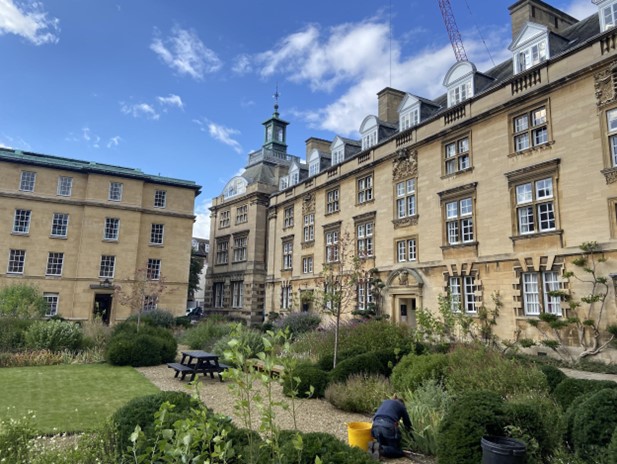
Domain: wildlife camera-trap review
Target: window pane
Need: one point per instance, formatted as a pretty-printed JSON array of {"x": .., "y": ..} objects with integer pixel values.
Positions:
[
  {"x": 530, "y": 293},
  {"x": 539, "y": 116},
  {"x": 546, "y": 216},
  {"x": 466, "y": 208},
  {"x": 525, "y": 220},
  {"x": 521, "y": 123},
  {"x": 544, "y": 188},
  {"x": 523, "y": 194},
  {"x": 452, "y": 209}
]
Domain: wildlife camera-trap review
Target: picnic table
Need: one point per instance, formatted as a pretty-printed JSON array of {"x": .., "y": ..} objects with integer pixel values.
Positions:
[{"x": 197, "y": 361}]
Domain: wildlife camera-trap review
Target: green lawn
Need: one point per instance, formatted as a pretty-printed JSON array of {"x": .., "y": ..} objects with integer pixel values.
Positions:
[{"x": 69, "y": 398}]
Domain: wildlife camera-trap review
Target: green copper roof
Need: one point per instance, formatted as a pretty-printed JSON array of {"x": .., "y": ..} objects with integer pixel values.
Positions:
[{"x": 57, "y": 162}]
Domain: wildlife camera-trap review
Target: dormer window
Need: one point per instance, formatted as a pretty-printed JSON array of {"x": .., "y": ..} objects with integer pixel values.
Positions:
[
  {"x": 608, "y": 14},
  {"x": 531, "y": 56},
  {"x": 235, "y": 186},
  {"x": 409, "y": 118},
  {"x": 337, "y": 156},
  {"x": 294, "y": 178},
  {"x": 368, "y": 130},
  {"x": 283, "y": 183},
  {"x": 314, "y": 163},
  {"x": 460, "y": 82}
]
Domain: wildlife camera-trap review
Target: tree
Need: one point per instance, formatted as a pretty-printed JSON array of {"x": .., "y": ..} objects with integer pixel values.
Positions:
[
  {"x": 141, "y": 293},
  {"x": 339, "y": 279},
  {"x": 197, "y": 264},
  {"x": 587, "y": 313},
  {"x": 22, "y": 301}
]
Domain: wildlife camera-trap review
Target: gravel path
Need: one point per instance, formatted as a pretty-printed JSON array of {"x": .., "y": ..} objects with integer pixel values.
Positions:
[{"x": 315, "y": 415}]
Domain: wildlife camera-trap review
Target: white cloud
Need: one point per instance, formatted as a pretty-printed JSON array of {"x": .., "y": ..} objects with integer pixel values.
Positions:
[
  {"x": 184, "y": 52},
  {"x": 138, "y": 110},
  {"x": 201, "y": 226},
  {"x": 242, "y": 64},
  {"x": 114, "y": 141},
  {"x": 7, "y": 141},
  {"x": 581, "y": 9},
  {"x": 171, "y": 100},
  {"x": 29, "y": 21},
  {"x": 221, "y": 133}
]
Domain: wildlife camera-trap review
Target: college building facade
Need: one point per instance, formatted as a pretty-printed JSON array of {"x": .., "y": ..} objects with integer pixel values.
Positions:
[
  {"x": 78, "y": 230},
  {"x": 490, "y": 188}
]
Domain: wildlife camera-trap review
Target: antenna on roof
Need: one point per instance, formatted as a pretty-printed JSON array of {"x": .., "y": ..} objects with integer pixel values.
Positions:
[{"x": 390, "y": 32}]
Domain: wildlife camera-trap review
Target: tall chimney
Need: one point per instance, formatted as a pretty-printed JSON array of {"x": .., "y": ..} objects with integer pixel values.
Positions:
[
  {"x": 538, "y": 12},
  {"x": 320, "y": 144},
  {"x": 388, "y": 101}
]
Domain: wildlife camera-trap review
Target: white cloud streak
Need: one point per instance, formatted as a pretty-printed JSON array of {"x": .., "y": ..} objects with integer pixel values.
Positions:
[
  {"x": 221, "y": 133},
  {"x": 114, "y": 141},
  {"x": 171, "y": 100},
  {"x": 140, "y": 110},
  {"x": 185, "y": 53},
  {"x": 29, "y": 22}
]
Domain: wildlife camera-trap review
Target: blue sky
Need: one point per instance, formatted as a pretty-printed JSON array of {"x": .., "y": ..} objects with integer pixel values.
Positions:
[{"x": 180, "y": 88}]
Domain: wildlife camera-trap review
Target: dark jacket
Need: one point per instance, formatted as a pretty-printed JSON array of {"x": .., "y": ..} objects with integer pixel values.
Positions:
[{"x": 394, "y": 410}]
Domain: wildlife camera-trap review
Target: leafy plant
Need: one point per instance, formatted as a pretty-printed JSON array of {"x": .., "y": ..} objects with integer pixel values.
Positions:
[
  {"x": 205, "y": 334},
  {"x": 299, "y": 323},
  {"x": 148, "y": 347},
  {"x": 361, "y": 393},
  {"x": 13, "y": 333},
  {"x": 155, "y": 317},
  {"x": 308, "y": 381},
  {"x": 594, "y": 422},
  {"x": 570, "y": 389},
  {"x": 367, "y": 363},
  {"x": 15, "y": 437},
  {"x": 22, "y": 301},
  {"x": 54, "y": 335},
  {"x": 413, "y": 370}
]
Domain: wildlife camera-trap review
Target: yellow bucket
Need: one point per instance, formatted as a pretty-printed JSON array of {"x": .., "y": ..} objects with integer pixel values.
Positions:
[{"x": 359, "y": 434}]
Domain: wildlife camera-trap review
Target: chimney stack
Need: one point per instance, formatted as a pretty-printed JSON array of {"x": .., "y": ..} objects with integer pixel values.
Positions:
[
  {"x": 388, "y": 101},
  {"x": 538, "y": 12}
]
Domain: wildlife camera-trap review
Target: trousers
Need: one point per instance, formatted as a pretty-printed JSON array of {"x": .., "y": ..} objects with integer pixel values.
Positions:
[{"x": 388, "y": 436}]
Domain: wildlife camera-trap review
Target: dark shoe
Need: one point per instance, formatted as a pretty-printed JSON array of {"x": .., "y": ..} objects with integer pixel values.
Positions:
[{"x": 373, "y": 450}]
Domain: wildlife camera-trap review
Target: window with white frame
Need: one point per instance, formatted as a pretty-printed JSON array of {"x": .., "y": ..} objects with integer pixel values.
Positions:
[
  {"x": 332, "y": 246},
  {"x": 405, "y": 198},
  {"x": 314, "y": 167},
  {"x": 222, "y": 251},
  {"x": 150, "y": 302},
  {"x": 235, "y": 186},
  {"x": 462, "y": 292},
  {"x": 307, "y": 265},
  {"x": 283, "y": 183},
  {"x": 115, "y": 191},
  {"x": 157, "y": 232},
  {"x": 337, "y": 156},
  {"x": 65, "y": 186},
  {"x": 27, "y": 181},
  {"x": 332, "y": 201},
  {"x": 240, "y": 244},
  {"x": 237, "y": 294},
  {"x": 309, "y": 227},
  {"x": 59, "y": 225},
  {"x": 288, "y": 217},
  {"x": 55, "y": 260},
  {"x": 459, "y": 221},
  {"x": 406, "y": 250},
  {"x": 530, "y": 129},
  {"x": 409, "y": 118},
  {"x": 365, "y": 188},
  {"x": 286, "y": 296},
  {"x": 160, "y": 198},
  {"x": 460, "y": 93},
  {"x": 224, "y": 219},
  {"x": 218, "y": 290},
  {"x": 107, "y": 267},
  {"x": 112, "y": 229},
  {"x": 608, "y": 16},
  {"x": 242, "y": 214},
  {"x": 536, "y": 293},
  {"x": 456, "y": 156},
  {"x": 153, "y": 269},
  {"x": 364, "y": 239},
  {"x": 17, "y": 262},
  {"x": 21, "y": 221},
  {"x": 532, "y": 55},
  {"x": 535, "y": 206},
  {"x": 611, "y": 122},
  {"x": 364, "y": 295},
  {"x": 369, "y": 139},
  {"x": 52, "y": 300},
  {"x": 288, "y": 248}
]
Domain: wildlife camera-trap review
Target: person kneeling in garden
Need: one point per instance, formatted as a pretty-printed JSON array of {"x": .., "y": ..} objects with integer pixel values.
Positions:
[{"x": 385, "y": 429}]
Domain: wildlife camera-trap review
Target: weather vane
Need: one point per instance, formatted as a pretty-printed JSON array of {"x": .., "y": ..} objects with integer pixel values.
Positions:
[{"x": 276, "y": 99}]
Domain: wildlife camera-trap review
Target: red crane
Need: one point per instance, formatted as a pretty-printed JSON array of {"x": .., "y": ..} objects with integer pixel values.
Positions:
[{"x": 452, "y": 28}]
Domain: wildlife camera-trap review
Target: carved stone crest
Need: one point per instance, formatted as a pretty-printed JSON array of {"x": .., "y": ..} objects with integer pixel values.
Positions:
[
  {"x": 403, "y": 278},
  {"x": 405, "y": 222},
  {"x": 610, "y": 175},
  {"x": 405, "y": 165},
  {"x": 604, "y": 85},
  {"x": 308, "y": 204}
]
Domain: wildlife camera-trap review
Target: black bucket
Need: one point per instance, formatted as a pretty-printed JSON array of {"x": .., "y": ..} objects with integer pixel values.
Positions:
[{"x": 503, "y": 450}]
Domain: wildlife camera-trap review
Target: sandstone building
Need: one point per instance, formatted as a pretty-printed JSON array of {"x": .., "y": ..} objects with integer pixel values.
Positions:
[
  {"x": 78, "y": 229},
  {"x": 489, "y": 188}
]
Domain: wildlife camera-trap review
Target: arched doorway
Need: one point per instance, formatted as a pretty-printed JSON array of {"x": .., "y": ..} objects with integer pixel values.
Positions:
[{"x": 403, "y": 295}]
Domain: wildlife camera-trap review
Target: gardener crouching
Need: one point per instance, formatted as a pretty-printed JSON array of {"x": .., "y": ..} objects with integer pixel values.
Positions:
[{"x": 385, "y": 429}]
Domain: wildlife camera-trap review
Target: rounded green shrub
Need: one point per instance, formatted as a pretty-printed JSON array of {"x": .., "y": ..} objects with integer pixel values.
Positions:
[
  {"x": 367, "y": 363},
  {"x": 361, "y": 393},
  {"x": 299, "y": 323},
  {"x": 149, "y": 346},
  {"x": 155, "y": 317},
  {"x": 54, "y": 335},
  {"x": 140, "y": 411},
  {"x": 569, "y": 389},
  {"x": 308, "y": 376},
  {"x": 325, "y": 362},
  {"x": 249, "y": 338},
  {"x": 470, "y": 417},
  {"x": 612, "y": 449},
  {"x": 412, "y": 370},
  {"x": 203, "y": 335},
  {"x": 329, "y": 448},
  {"x": 594, "y": 422},
  {"x": 13, "y": 334},
  {"x": 554, "y": 376}
]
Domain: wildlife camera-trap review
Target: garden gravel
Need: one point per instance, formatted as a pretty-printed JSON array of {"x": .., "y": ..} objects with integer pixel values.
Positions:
[{"x": 314, "y": 415}]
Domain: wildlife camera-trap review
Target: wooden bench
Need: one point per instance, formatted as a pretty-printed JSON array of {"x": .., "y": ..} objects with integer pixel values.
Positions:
[
  {"x": 215, "y": 369},
  {"x": 181, "y": 369}
]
